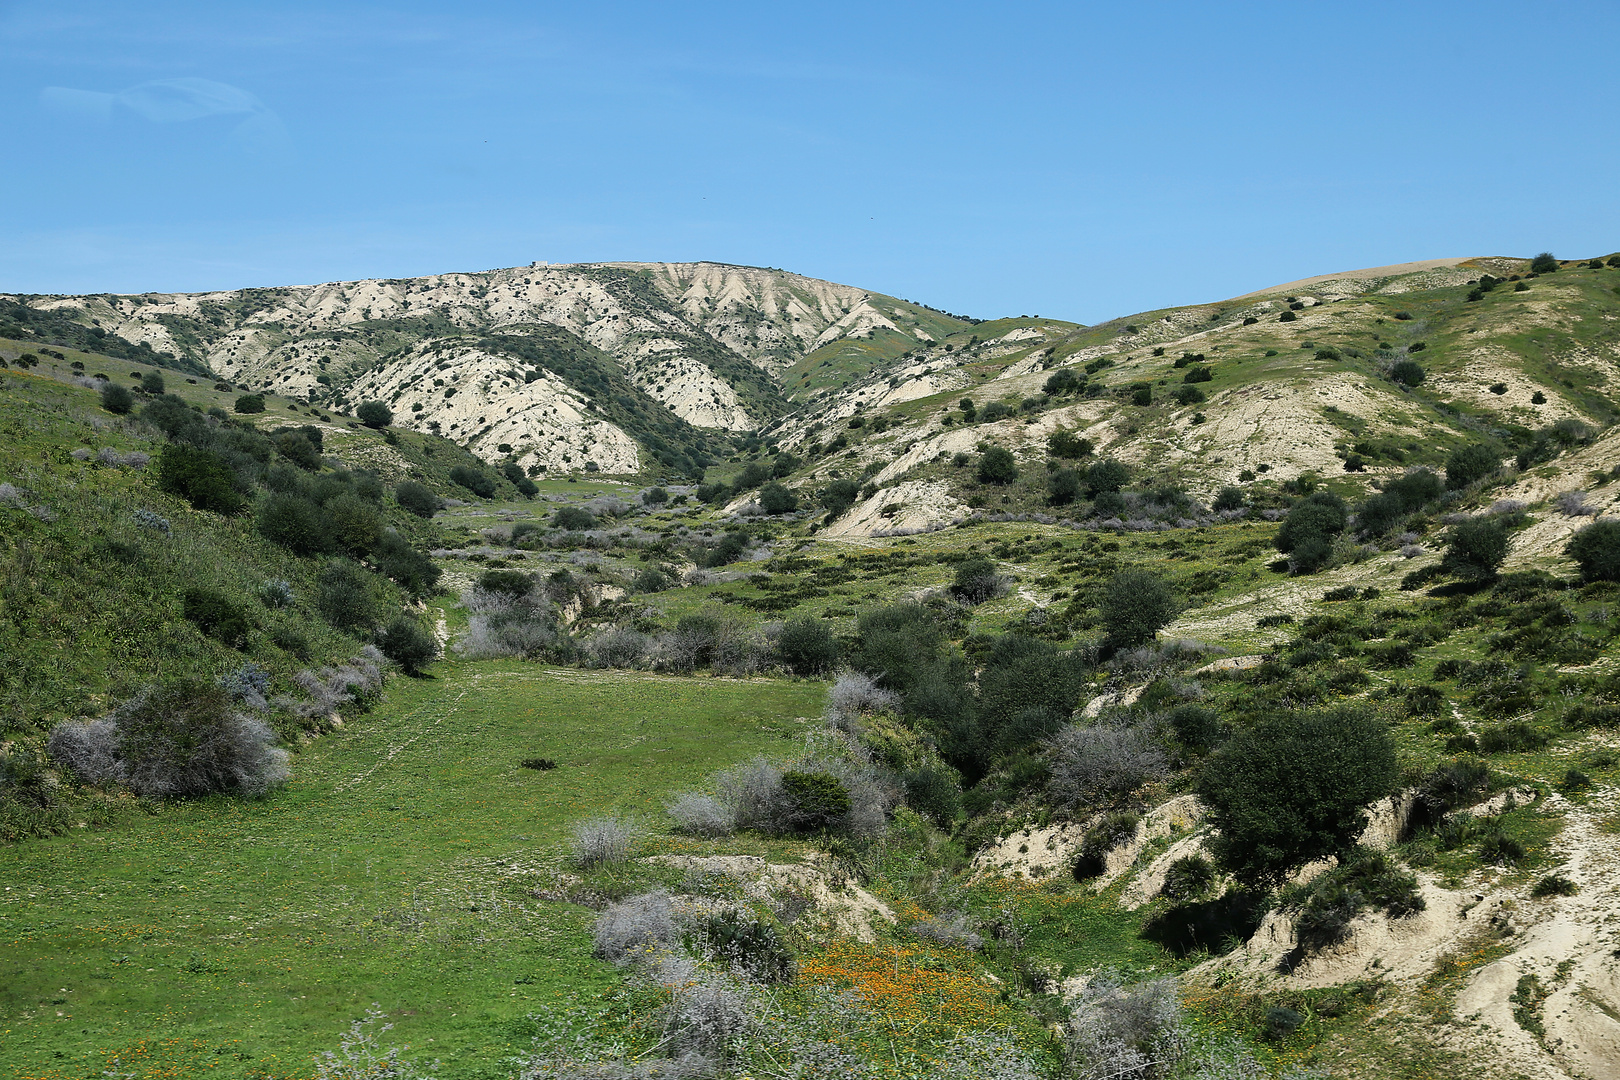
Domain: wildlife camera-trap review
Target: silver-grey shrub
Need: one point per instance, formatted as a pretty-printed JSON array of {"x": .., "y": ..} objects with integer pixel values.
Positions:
[
  {"x": 697, "y": 814},
  {"x": 953, "y": 930},
  {"x": 708, "y": 1015},
  {"x": 602, "y": 841},
  {"x": 1117, "y": 1031},
  {"x": 180, "y": 738},
  {"x": 619, "y": 647},
  {"x": 1102, "y": 761},
  {"x": 752, "y": 792},
  {"x": 853, "y": 696},
  {"x": 636, "y": 928}
]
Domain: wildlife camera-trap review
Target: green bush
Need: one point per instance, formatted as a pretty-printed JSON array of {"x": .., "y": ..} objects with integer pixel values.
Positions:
[
  {"x": 807, "y": 646},
  {"x": 398, "y": 561},
  {"x": 1471, "y": 463},
  {"x": 509, "y": 583},
  {"x": 1142, "y": 395},
  {"x": 1189, "y": 395},
  {"x": 1307, "y": 533},
  {"x": 739, "y": 942},
  {"x": 374, "y": 414},
  {"x": 293, "y": 522},
  {"x": 408, "y": 643},
  {"x": 1228, "y": 498},
  {"x": 250, "y": 403},
  {"x": 1116, "y": 828},
  {"x": 775, "y": 498},
  {"x": 1106, "y": 477},
  {"x": 1476, "y": 549},
  {"x": 354, "y": 524},
  {"x": 216, "y": 615},
  {"x": 1196, "y": 727},
  {"x": 838, "y": 496},
  {"x": 1188, "y": 879},
  {"x": 296, "y": 447},
  {"x": 1136, "y": 605},
  {"x": 1596, "y": 550},
  {"x": 1198, "y": 374},
  {"x": 977, "y": 580},
  {"x": 815, "y": 801},
  {"x": 1407, "y": 372},
  {"x": 1066, "y": 444},
  {"x": 474, "y": 480},
  {"x": 201, "y": 477},
  {"x": 934, "y": 792},
  {"x": 1545, "y": 263},
  {"x": 1292, "y": 788},
  {"x": 573, "y": 519},
  {"x": 152, "y": 383},
  {"x": 997, "y": 466},
  {"x": 345, "y": 597},
  {"x": 1554, "y": 885},
  {"x": 416, "y": 498},
  {"x": 116, "y": 398},
  {"x": 1063, "y": 487},
  {"x": 1365, "y": 879},
  {"x": 650, "y": 579}
]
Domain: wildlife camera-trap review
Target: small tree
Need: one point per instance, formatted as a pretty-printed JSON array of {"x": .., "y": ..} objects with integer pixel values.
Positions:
[
  {"x": 775, "y": 498},
  {"x": 1106, "y": 475},
  {"x": 814, "y": 800},
  {"x": 1293, "y": 788},
  {"x": 997, "y": 466},
  {"x": 977, "y": 580},
  {"x": 116, "y": 398},
  {"x": 807, "y": 646},
  {"x": 152, "y": 383},
  {"x": 1136, "y": 605},
  {"x": 250, "y": 403},
  {"x": 408, "y": 643},
  {"x": 1407, "y": 372},
  {"x": 1066, "y": 444},
  {"x": 839, "y": 496},
  {"x": 374, "y": 414},
  {"x": 416, "y": 498},
  {"x": 1545, "y": 263},
  {"x": 1469, "y": 463},
  {"x": 1307, "y": 533},
  {"x": 1228, "y": 498},
  {"x": 1596, "y": 550},
  {"x": 1476, "y": 549},
  {"x": 1064, "y": 486}
]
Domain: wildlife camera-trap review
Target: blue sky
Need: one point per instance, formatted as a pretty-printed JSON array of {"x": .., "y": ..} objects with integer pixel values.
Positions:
[{"x": 1074, "y": 160}]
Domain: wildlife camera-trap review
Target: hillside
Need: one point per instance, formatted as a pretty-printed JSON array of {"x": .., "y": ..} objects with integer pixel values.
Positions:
[{"x": 916, "y": 740}]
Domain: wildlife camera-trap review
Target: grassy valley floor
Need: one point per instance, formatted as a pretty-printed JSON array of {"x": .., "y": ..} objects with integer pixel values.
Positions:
[{"x": 233, "y": 938}]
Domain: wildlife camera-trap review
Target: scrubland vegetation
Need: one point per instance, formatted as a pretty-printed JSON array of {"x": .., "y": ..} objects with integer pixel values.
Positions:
[{"x": 312, "y": 721}]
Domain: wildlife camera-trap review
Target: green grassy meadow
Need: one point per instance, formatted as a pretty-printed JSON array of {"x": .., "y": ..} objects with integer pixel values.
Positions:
[{"x": 224, "y": 937}]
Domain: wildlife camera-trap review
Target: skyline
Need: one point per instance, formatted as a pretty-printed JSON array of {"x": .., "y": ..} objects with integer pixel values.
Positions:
[{"x": 1079, "y": 163}]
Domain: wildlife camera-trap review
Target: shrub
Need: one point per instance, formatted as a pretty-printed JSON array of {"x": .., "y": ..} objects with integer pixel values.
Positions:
[
  {"x": 1291, "y": 789},
  {"x": 407, "y": 643},
  {"x": 1287, "y": 316},
  {"x": 1101, "y": 762},
  {"x": 1476, "y": 549},
  {"x": 1136, "y": 605},
  {"x": 1279, "y": 1022},
  {"x": 1228, "y": 498},
  {"x": 250, "y": 403},
  {"x": 650, "y": 579},
  {"x": 1328, "y": 905},
  {"x": 293, "y": 522},
  {"x": 746, "y": 946},
  {"x": 775, "y": 498},
  {"x": 806, "y": 645},
  {"x": 573, "y": 519},
  {"x": 1063, "y": 487},
  {"x": 815, "y": 801},
  {"x": 401, "y": 563},
  {"x": 620, "y": 647},
  {"x": 1188, "y": 878},
  {"x": 344, "y": 597},
  {"x": 1066, "y": 444},
  {"x": 116, "y": 398},
  {"x": 539, "y": 764},
  {"x": 1198, "y": 374},
  {"x": 216, "y": 615},
  {"x": 601, "y": 841},
  {"x": 1407, "y": 372},
  {"x": 633, "y": 928},
  {"x": 997, "y": 466},
  {"x": 934, "y": 792},
  {"x": 1471, "y": 463},
  {"x": 854, "y": 695},
  {"x": 353, "y": 524},
  {"x": 700, "y": 815},
  {"x": 1596, "y": 550},
  {"x": 977, "y": 581},
  {"x": 953, "y": 931},
  {"x": 1513, "y": 737},
  {"x": 416, "y": 498},
  {"x": 474, "y": 480},
  {"x": 374, "y": 414},
  {"x": 1117, "y": 1030},
  {"x": 1307, "y": 533},
  {"x": 1189, "y": 395},
  {"x": 1545, "y": 263},
  {"x": 201, "y": 477},
  {"x": 276, "y": 594},
  {"x": 1113, "y": 830},
  {"x": 838, "y": 496},
  {"x": 1106, "y": 476},
  {"x": 1196, "y": 727},
  {"x": 175, "y": 739},
  {"x": 1554, "y": 885},
  {"x": 1142, "y": 395}
]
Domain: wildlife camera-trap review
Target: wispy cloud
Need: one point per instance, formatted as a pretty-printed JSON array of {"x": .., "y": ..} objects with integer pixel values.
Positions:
[{"x": 258, "y": 130}]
